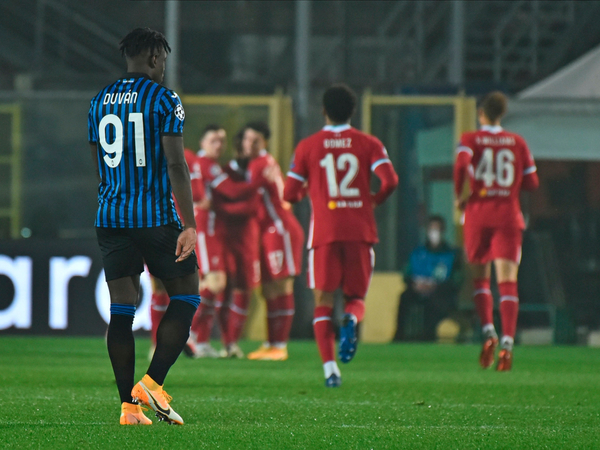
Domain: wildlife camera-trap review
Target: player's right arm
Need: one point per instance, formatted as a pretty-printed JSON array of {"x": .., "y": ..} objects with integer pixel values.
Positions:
[
  {"x": 464, "y": 155},
  {"x": 297, "y": 177},
  {"x": 93, "y": 140}
]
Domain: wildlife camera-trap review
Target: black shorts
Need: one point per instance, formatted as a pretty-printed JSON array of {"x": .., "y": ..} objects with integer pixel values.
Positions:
[{"x": 124, "y": 251}]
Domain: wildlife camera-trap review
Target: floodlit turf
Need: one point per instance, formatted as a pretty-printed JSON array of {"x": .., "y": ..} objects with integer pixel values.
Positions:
[{"x": 59, "y": 393}]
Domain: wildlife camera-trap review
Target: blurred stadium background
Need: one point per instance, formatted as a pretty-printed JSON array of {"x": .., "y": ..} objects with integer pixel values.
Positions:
[{"x": 418, "y": 68}]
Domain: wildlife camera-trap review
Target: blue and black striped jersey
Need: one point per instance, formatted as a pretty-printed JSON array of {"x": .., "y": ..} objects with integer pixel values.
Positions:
[{"x": 126, "y": 121}]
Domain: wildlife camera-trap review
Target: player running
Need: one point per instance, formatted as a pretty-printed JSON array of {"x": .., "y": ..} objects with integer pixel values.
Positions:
[
  {"x": 281, "y": 239},
  {"x": 336, "y": 165},
  {"x": 135, "y": 128},
  {"x": 499, "y": 165},
  {"x": 219, "y": 189}
]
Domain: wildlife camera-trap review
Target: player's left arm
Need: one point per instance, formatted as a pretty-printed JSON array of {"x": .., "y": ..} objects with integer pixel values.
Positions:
[
  {"x": 381, "y": 165},
  {"x": 179, "y": 175},
  {"x": 94, "y": 149},
  {"x": 531, "y": 180},
  {"x": 171, "y": 130}
]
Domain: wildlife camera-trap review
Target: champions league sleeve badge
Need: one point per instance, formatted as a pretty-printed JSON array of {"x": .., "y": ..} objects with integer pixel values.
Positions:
[{"x": 179, "y": 112}]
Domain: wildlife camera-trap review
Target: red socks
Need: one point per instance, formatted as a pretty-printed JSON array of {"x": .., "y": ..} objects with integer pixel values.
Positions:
[
  {"x": 204, "y": 317},
  {"x": 484, "y": 302},
  {"x": 222, "y": 313},
  {"x": 238, "y": 310},
  {"x": 509, "y": 307},
  {"x": 286, "y": 317},
  {"x": 280, "y": 315},
  {"x": 272, "y": 320},
  {"x": 356, "y": 306},
  {"x": 324, "y": 334},
  {"x": 158, "y": 306}
]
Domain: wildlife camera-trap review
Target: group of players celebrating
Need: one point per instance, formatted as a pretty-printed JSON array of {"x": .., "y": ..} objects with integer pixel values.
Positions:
[
  {"x": 235, "y": 228},
  {"x": 247, "y": 234}
]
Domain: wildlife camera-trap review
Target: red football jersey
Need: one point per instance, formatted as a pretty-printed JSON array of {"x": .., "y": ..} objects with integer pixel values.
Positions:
[
  {"x": 498, "y": 162},
  {"x": 273, "y": 210},
  {"x": 337, "y": 163},
  {"x": 195, "y": 178},
  {"x": 212, "y": 175}
]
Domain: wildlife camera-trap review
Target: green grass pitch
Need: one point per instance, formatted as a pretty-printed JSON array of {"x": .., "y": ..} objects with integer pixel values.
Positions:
[{"x": 59, "y": 393}]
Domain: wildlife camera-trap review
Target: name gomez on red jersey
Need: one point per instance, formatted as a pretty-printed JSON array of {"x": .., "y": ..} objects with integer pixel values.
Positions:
[
  {"x": 336, "y": 163},
  {"x": 499, "y": 165}
]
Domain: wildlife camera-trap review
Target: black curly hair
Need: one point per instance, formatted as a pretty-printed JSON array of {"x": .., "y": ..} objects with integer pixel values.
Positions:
[{"x": 141, "y": 39}]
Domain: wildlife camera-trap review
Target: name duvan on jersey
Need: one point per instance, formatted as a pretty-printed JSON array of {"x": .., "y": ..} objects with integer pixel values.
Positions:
[{"x": 121, "y": 98}]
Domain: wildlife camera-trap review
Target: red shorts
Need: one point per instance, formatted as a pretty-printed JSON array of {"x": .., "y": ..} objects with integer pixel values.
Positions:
[
  {"x": 483, "y": 245},
  {"x": 348, "y": 265},
  {"x": 281, "y": 251},
  {"x": 242, "y": 261},
  {"x": 211, "y": 254}
]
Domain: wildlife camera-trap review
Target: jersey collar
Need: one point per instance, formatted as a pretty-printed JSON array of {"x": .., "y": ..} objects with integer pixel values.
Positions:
[
  {"x": 201, "y": 152},
  {"x": 263, "y": 152},
  {"x": 135, "y": 75},
  {"x": 494, "y": 129},
  {"x": 337, "y": 128}
]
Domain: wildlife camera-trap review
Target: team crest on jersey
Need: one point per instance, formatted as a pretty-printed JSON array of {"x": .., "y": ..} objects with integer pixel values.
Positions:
[
  {"x": 215, "y": 170},
  {"x": 179, "y": 112},
  {"x": 276, "y": 261}
]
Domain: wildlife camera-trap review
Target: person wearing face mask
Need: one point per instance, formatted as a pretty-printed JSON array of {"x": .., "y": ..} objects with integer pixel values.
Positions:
[{"x": 433, "y": 277}]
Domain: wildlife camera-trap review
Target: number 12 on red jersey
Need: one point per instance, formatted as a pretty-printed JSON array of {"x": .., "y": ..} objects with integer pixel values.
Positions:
[{"x": 345, "y": 161}]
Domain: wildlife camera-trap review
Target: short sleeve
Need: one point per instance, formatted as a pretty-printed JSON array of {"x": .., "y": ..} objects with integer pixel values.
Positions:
[
  {"x": 528, "y": 162},
  {"x": 465, "y": 145},
  {"x": 92, "y": 130},
  {"x": 299, "y": 166},
  {"x": 379, "y": 154},
  {"x": 172, "y": 114}
]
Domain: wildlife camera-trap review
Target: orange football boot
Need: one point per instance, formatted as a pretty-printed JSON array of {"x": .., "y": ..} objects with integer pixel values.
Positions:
[
  {"x": 257, "y": 354},
  {"x": 149, "y": 393},
  {"x": 274, "y": 354},
  {"x": 504, "y": 361},
  {"x": 132, "y": 414},
  {"x": 486, "y": 358}
]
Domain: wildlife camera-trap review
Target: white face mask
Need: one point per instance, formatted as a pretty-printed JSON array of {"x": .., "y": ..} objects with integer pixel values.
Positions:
[{"x": 434, "y": 237}]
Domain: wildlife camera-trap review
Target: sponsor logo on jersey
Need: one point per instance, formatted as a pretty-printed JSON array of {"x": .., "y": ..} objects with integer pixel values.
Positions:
[
  {"x": 332, "y": 204},
  {"x": 494, "y": 193},
  {"x": 276, "y": 261}
]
